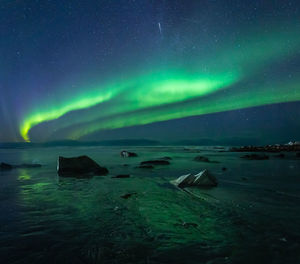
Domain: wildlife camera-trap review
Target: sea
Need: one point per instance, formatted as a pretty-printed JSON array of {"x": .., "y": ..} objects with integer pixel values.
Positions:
[{"x": 252, "y": 216}]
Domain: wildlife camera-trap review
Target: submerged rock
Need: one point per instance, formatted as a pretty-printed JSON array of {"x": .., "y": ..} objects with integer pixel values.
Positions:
[
  {"x": 126, "y": 154},
  {"x": 79, "y": 166},
  {"x": 202, "y": 179},
  {"x": 204, "y": 159},
  {"x": 127, "y": 195},
  {"x": 255, "y": 157},
  {"x": 187, "y": 225},
  {"x": 281, "y": 156},
  {"x": 28, "y": 166},
  {"x": 155, "y": 162},
  {"x": 122, "y": 176},
  {"x": 201, "y": 159},
  {"x": 224, "y": 169}
]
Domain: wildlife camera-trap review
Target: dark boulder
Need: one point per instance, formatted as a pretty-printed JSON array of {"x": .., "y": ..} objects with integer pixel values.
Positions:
[
  {"x": 128, "y": 195},
  {"x": 155, "y": 162},
  {"x": 127, "y": 154},
  {"x": 79, "y": 166},
  {"x": 255, "y": 157},
  {"x": 5, "y": 166}
]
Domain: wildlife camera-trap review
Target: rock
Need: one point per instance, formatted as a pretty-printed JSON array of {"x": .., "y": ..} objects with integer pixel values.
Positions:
[
  {"x": 5, "y": 166},
  {"x": 291, "y": 146},
  {"x": 145, "y": 167},
  {"x": 255, "y": 157},
  {"x": 126, "y": 154},
  {"x": 201, "y": 159},
  {"x": 281, "y": 156},
  {"x": 79, "y": 166},
  {"x": 224, "y": 169},
  {"x": 122, "y": 176},
  {"x": 127, "y": 195},
  {"x": 204, "y": 159},
  {"x": 165, "y": 158},
  {"x": 187, "y": 225},
  {"x": 155, "y": 162},
  {"x": 202, "y": 179}
]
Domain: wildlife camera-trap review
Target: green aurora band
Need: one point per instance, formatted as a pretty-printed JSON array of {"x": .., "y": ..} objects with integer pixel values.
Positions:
[
  {"x": 194, "y": 108},
  {"x": 163, "y": 95},
  {"x": 152, "y": 90}
]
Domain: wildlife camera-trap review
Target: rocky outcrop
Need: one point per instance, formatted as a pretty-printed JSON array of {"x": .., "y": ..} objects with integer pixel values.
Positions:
[
  {"x": 202, "y": 179},
  {"x": 127, "y": 154},
  {"x": 255, "y": 157},
  {"x": 81, "y": 166},
  {"x": 291, "y": 146},
  {"x": 155, "y": 162}
]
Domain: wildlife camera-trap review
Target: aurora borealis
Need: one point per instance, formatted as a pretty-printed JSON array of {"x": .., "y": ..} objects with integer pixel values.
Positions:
[{"x": 71, "y": 70}]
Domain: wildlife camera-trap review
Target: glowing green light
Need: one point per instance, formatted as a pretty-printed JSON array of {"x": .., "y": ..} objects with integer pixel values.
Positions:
[{"x": 56, "y": 113}]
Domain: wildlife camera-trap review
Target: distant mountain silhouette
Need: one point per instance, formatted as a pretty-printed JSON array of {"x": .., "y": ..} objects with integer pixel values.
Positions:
[
  {"x": 74, "y": 143},
  {"x": 235, "y": 141}
]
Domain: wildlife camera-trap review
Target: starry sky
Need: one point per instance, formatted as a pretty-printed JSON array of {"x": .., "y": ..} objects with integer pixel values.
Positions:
[{"x": 168, "y": 70}]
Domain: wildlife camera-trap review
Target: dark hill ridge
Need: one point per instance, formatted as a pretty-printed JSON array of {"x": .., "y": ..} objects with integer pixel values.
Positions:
[{"x": 268, "y": 148}]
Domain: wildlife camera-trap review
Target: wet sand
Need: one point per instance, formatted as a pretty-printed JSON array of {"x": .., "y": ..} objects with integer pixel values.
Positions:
[{"x": 253, "y": 216}]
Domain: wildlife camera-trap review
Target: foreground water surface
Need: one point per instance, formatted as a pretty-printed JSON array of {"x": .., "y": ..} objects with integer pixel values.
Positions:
[{"x": 253, "y": 216}]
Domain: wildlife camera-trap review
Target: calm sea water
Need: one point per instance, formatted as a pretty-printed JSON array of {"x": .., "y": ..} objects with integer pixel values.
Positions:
[{"x": 253, "y": 216}]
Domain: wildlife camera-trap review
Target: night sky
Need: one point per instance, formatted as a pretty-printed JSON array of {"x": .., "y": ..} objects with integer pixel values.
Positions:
[{"x": 166, "y": 70}]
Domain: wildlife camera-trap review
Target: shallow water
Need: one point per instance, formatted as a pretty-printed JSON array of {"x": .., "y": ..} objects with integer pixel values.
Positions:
[{"x": 253, "y": 216}]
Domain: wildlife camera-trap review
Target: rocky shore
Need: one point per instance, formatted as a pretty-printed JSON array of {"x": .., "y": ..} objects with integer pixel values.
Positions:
[{"x": 291, "y": 146}]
